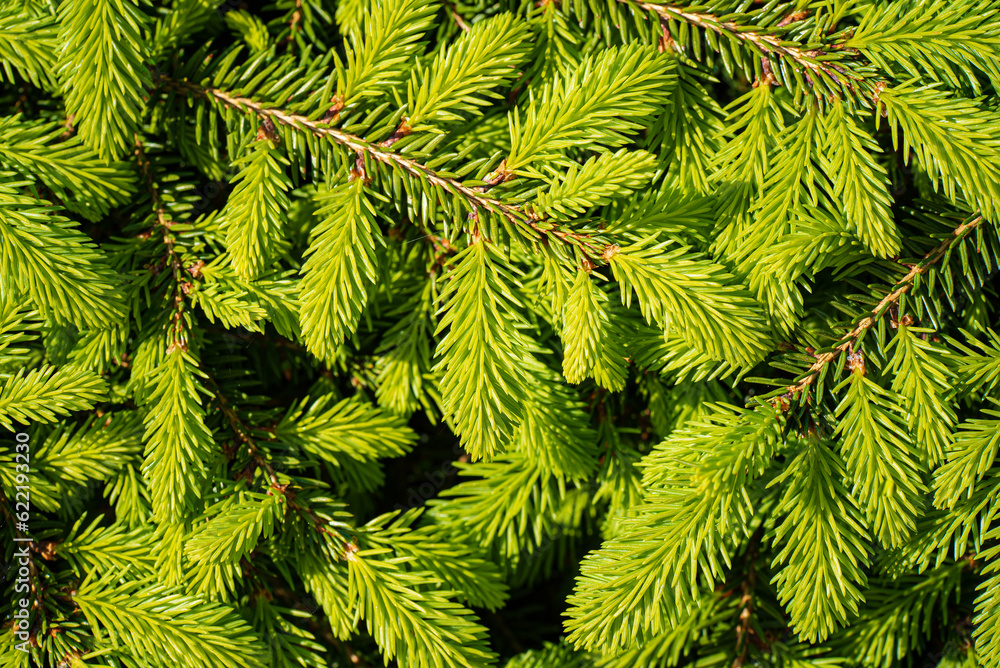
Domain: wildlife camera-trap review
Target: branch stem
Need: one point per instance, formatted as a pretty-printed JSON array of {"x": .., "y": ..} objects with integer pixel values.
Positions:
[
  {"x": 474, "y": 197},
  {"x": 902, "y": 287},
  {"x": 764, "y": 43}
]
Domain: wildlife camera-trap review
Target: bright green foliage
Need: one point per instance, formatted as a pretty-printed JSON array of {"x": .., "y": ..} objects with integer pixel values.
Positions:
[
  {"x": 480, "y": 353},
  {"x": 155, "y": 623},
  {"x": 621, "y": 85},
  {"x": 639, "y": 582},
  {"x": 789, "y": 185},
  {"x": 291, "y": 646},
  {"x": 29, "y": 45},
  {"x": 970, "y": 457},
  {"x": 476, "y": 334},
  {"x": 900, "y": 613},
  {"x": 408, "y": 624},
  {"x": 979, "y": 364},
  {"x": 45, "y": 393},
  {"x": 823, "y": 541},
  {"x": 754, "y": 123},
  {"x": 590, "y": 185},
  {"x": 390, "y": 38},
  {"x": 881, "y": 462},
  {"x": 255, "y": 211},
  {"x": 177, "y": 441},
  {"x": 69, "y": 459},
  {"x": 348, "y": 429},
  {"x": 16, "y": 321},
  {"x": 251, "y": 28},
  {"x": 75, "y": 174},
  {"x": 988, "y": 601},
  {"x": 593, "y": 344},
  {"x": 463, "y": 75},
  {"x": 103, "y": 68},
  {"x": 942, "y": 40},
  {"x": 233, "y": 533},
  {"x": 406, "y": 357},
  {"x": 860, "y": 182},
  {"x": 950, "y": 139},
  {"x": 680, "y": 291},
  {"x": 340, "y": 268},
  {"x": 94, "y": 548},
  {"x": 689, "y": 133},
  {"x": 44, "y": 255},
  {"x": 923, "y": 378},
  {"x": 461, "y": 567}
]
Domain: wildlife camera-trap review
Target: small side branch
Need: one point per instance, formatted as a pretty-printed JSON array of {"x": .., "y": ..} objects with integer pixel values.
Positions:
[
  {"x": 902, "y": 287},
  {"x": 475, "y": 197},
  {"x": 764, "y": 43}
]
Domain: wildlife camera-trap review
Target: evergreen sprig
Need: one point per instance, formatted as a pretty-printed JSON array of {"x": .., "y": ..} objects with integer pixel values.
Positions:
[{"x": 103, "y": 60}]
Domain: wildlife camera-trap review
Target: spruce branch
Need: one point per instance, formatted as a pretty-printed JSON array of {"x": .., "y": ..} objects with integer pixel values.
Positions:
[
  {"x": 341, "y": 267},
  {"x": 971, "y": 454},
  {"x": 952, "y": 138},
  {"x": 162, "y": 221},
  {"x": 923, "y": 377},
  {"x": 824, "y": 543},
  {"x": 92, "y": 548},
  {"x": 242, "y": 431},
  {"x": 696, "y": 513},
  {"x": 481, "y": 352},
  {"x": 474, "y": 197},
  {"x": 46, "y": 257},
  {"x": 949, "y": 41},
  {"x": 625, "y": 86},
  {"x": 830, "y": 71},
  {"x": 78, "y": 179},
  {"x": 381, "y": 50},
  {"x": 435, "y": 241},
  {"x": 465, "y": 74},
  {"x": 178, "y": 443},
  {"x": 880, "y": 457},
  {"x": 979, "y": 364},
  {"x": 71, "y": 458},
  {"x": 355, "y": 144},
  {"x": 156, "y": 622},
  {"x": 679, "y": 290},
  {"x": 439, "y": 632},
  {"x": 350, "y": 429},
  {"x": 859, "y": 181},
  {"x": 849, "y": 340},
  {"x": 45, "y": 393},
  {"x": 235, "y": 527},
  {"x": 254, "y": 212},
  {"x": 103, "y": 63},
  {"x": 593, "y": 345},
  {"x": 29, "y": 45}
]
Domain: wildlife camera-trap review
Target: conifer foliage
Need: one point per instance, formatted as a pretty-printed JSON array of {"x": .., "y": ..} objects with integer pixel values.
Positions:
[{"x": 469, "y": 333}]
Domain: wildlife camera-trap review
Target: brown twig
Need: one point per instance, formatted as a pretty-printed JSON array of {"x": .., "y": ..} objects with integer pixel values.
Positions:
[
  {"x": 456, "y": 17},
  {"x": 745, "y": 632},
  {"x": 474, "y": 196},
  {"x": 164, "y": 223},
  {"x": 361, "y": 147},
  {"x": 242, "y": 432},
  {"x": 764, "y": 43},
  {"x": 902, "y": 287}
]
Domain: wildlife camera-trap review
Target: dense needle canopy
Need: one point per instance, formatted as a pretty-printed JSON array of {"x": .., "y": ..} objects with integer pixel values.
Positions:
[{"x": 555, "y": 334}]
